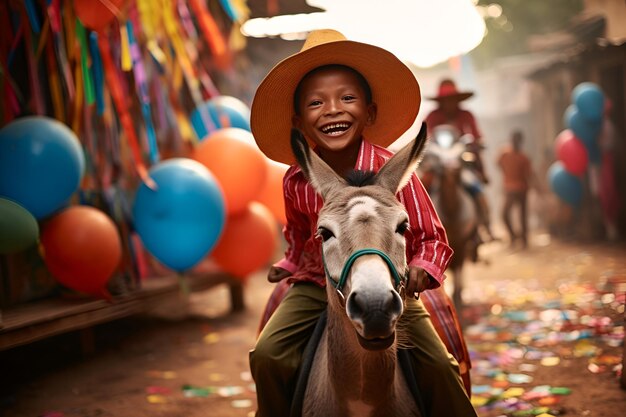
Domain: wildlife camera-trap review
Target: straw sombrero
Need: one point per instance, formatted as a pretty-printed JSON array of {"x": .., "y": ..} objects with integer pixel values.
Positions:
[
  {"x": 394, "y": 89},
  {"x": 448, "y": 90}
]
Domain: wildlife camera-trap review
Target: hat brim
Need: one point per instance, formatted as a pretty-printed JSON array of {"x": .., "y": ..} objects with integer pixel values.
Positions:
[
  {"x": 457, "y": 96},
  {"x": 395, "y": 91}
]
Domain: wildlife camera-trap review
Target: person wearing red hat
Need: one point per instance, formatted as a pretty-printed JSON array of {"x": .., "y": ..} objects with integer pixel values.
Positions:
[{"x": 449, "y": 112}]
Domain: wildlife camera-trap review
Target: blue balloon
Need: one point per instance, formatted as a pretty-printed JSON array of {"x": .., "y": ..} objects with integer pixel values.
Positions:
[
  {"x": 41, "y": 164},
  {"x": 584, "y": 129},
  {"x": 180, "y": 221},
  {"x": 223, "y": 111},
  {"x": 567, "y": 186},
  {"x": 589, "y": 99}
]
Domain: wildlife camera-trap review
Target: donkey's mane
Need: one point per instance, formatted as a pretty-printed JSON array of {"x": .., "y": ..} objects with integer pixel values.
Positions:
[{"x": 358, "y": 178}]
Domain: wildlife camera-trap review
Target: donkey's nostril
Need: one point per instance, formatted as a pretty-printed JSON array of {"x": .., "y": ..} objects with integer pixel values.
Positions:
[
  {"x": 394, "y": 304},
  {"x": 353, "y": 306}
]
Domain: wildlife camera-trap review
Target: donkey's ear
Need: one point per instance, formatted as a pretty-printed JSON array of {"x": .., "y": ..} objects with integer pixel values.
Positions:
[
  {"x": 319, "y": 174},
  {"x": 395, "y": 174}
]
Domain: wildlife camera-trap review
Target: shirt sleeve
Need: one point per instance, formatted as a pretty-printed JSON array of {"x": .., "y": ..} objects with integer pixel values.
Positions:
[
  {"x": 427, "y": 243},
  {"x": 297, "y": 230}
]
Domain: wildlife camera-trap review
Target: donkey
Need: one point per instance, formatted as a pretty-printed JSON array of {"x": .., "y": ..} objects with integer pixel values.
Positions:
[{"x": 355, "y": 369}]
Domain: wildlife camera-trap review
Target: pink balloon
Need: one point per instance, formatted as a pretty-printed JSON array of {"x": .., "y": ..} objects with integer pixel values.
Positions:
[{"x": 571, "y": 152}]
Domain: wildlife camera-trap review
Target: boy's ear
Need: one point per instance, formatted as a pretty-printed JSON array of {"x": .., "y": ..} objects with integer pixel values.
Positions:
[
  {"x": 372, "y": 111},
  {"x": 296, "y": 121}
]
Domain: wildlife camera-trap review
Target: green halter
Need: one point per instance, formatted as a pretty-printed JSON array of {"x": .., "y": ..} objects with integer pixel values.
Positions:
[{"x": 346, "y": 268}]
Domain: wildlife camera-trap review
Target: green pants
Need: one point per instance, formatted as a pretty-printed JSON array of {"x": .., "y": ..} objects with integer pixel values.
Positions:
[{"x": 275, "y": 359}]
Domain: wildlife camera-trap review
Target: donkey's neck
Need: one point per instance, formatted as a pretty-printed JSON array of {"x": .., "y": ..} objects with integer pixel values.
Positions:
[{"x": 358, "y": 375}]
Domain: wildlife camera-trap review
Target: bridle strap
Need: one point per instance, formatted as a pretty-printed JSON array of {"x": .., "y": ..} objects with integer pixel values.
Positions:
[{"x": 398, "y": 279}]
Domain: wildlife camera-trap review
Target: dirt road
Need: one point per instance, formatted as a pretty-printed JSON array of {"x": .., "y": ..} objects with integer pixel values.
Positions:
[{"x": 525, "y": 308}]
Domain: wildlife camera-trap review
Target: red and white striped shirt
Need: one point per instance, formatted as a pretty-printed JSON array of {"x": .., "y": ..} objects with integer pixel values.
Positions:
[{"x": 427, "y": 244}]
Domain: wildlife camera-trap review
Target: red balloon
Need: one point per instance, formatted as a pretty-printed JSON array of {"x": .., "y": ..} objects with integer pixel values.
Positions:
[
  {"x": 97, "y": 14},
  {"x": 572, "y": 152},
  {"x": 82, "y": 249},
  {"x": 248, "y": 242},
  {"x": 271, "y": 195},
  {"x": 239, "y": 166}
]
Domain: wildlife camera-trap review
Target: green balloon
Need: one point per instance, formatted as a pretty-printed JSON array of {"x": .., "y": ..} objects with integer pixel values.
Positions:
[{"x": 18, "y": 228}]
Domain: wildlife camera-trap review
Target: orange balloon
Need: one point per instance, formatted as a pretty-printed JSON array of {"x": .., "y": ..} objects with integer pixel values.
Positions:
[
  {"x": 97, "y": 14},
  {"x": 239, "y": 166},
  {"x": 271, "y": 195},
  {"x": 82, "y": 249},
  {"x": 248, "y": 242}
]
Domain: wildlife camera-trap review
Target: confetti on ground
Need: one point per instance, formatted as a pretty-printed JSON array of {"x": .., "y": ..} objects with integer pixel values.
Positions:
[
  {"x": 154, "y": 389},
  {"x": 211, "y": 338},
  {"x": 156, "y": 399},
  {"x": 241, "y": 403},
  {"x": 162, "y": 374},
  {"x": 517, "y": 330}
]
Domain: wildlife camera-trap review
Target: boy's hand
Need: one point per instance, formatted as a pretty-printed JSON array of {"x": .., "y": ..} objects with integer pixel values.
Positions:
[
  {"x": 277, "y": 274},
  {"x": 417, "y": 281}
]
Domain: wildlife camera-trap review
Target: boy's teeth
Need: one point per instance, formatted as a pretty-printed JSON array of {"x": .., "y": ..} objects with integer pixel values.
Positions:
[{"x": 335, "y": 127}]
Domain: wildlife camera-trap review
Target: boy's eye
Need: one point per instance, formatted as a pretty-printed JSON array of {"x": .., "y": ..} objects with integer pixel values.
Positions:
[
  {"x": 315, "y": 103},
  {"x": 349, "y": 97},
  {"x": 324, "y": 233}
]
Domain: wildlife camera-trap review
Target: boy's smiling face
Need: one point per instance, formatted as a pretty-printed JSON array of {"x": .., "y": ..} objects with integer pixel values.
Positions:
[{"x": 333, "y": 109}]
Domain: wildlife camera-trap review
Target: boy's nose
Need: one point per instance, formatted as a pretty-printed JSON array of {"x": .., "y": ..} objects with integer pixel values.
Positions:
[{"x": 333, "y": 107}]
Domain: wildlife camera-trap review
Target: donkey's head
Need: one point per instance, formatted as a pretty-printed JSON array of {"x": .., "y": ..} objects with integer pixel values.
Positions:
[{"x": 362, "y": 227}]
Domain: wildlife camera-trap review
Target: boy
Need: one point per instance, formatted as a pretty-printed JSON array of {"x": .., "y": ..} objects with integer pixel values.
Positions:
[{"x": 349, "y": 99}]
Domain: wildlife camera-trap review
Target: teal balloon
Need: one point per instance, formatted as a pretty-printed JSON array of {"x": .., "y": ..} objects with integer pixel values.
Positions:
[
  {"x": 584, "y": 129},
  {"x": 589, "y": 99},
  {"x": 181, "y": 220},
  {"x": 18, "y": 228},
  {"x": 222, "y": 112},
  {"x": 565, "y": 185},
  {"x": 41, "y": 164}
]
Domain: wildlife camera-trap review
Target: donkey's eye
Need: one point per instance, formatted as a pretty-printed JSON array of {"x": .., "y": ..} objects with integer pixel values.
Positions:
[
  {"x": 324, "y": 234},
  {"x": 402, "y": 228}
]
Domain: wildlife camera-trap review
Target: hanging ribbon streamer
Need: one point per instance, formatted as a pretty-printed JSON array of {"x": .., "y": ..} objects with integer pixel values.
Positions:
[
  {"x": 98, "y": 72},
  {"x": 54, "y": 80},
  {"x": 212, "y": 34},
  {"x": 187, "y": 21},
  {"x": 229, "y": 9},
  {"x": 120, "y": 105},
  {"x": 33, "y": 71},
  {"x": 125, "y": 58},
  {"x": 185, "y": 65},
  {"x": 31, "y": 11},
  {"x": 84, "y": 63},
  {"x": 78, "y": 100},
  {"x": 141, "y": 82},
  {"x": 54, "y": 16}
]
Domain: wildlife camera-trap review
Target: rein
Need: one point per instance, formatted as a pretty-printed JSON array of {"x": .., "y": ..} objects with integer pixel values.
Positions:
[{"x": 398, "y": 279}]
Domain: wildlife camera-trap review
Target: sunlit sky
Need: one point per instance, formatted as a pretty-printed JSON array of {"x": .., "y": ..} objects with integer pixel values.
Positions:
[{"x": 422, "y": 32}]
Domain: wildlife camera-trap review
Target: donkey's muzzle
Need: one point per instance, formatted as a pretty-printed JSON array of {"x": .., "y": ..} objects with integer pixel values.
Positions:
[{"x": 375, "y": 317}]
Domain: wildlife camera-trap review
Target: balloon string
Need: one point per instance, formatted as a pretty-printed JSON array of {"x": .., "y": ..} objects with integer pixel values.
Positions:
[
  {"x": 184, "y": 284},
  {"x": 120, "y": 105}
]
